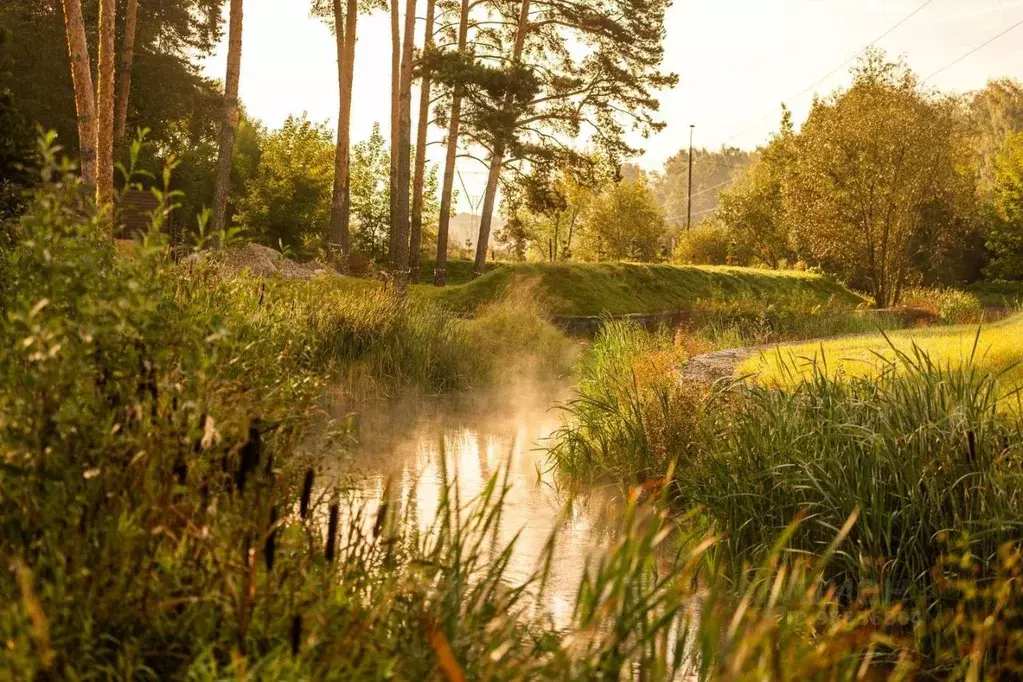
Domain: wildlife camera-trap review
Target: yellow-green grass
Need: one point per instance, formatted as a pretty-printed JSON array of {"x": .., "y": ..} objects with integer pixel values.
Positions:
[
  {"x": 995, "y": 348},
  {"x": 583, "y": 289}
]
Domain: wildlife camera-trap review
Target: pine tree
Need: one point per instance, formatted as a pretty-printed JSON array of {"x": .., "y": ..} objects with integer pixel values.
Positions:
[
  {"x": 124, "y": 84},
  {"x": 423, "y": 124},
  {"x": 401, "y": 168},
  {"x": 551, "y": 89},
  {"x": 229, "y": 124},
  {"x": 85, "y": 97},
  {"x": 454, "y": 127}
]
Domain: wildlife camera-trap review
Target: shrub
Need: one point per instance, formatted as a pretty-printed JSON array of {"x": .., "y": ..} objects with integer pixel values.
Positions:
[
  {"x": 704, "y": 244},
  {"x": 950, "y": 306}
]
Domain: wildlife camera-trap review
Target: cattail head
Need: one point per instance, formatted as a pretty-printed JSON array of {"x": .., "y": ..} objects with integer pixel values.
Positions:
[
  {"x": 250, "y": 454},
  {"x": 270, "y": 549},
  {"x": 332, "y": 532},
  {"x": 181, "y": 472},
  {"x": 307, "y": 494},
  {"x": 296, "y": 634}
]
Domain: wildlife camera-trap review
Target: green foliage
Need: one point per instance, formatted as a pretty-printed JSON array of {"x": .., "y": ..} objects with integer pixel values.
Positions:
[
  {"x": 708, "y": 243},
  {"x": 753, "y": 208},
  {"x": 371, "y": 195},
  {"x": 914, "y": 463},
  {"x": 157, "y": 519},
  {"x": 996, "y": 112},
  {"x": 1005, "y": 239},
  {"x": 287, "y": 200},
  {"x": 624, "y": 223},
  {"x": 631, "y": 417},
  {"x": 166, "y": 86},
  {"x": 713, "y": 173},
  {"x": 950, "y": 306},
  {"x": 547, "y": 208},
  {"x": 16, "y": 150},
  {"x": 870, "y": 165}
]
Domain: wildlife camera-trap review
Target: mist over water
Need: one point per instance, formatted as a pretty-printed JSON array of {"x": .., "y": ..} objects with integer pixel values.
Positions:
[{"x": 415, "y": 445}]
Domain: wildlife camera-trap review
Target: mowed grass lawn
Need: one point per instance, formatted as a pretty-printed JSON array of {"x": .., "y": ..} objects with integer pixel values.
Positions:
[
  {"x": 995, "y": 348},
  {"x": 585, "y": 289}
]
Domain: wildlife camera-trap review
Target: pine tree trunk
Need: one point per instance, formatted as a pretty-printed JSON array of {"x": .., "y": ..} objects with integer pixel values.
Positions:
[
  {"x": 419, "y": 180},
  {"x": 403, "y": 177},
  {"x": 85, "y": 97},
  {"x": 497, "y": 157},
  {"x": 124, "y": 85},
  {"x": 440, "y": 273},
  {"x": 105, "y": 106},
  {"x": 229, "y": 125},
  {"x": 489, "y": 201},
  {"x": 395, "y": 113},
  {"x": 340, "y": 234}
]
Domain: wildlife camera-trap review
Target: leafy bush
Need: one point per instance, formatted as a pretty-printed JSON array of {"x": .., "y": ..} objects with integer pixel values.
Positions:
[
  {"x": 705, "y": 244},
  {"x": 951, "y": 306}
]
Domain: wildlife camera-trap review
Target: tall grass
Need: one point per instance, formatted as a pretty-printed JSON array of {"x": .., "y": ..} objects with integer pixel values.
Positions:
[
  {"x": 919, "y": 451},
  {"x": 631, "y": 416}
]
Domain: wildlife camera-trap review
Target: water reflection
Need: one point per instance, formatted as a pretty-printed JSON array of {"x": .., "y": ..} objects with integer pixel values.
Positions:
[{"x": 411, "y": 444}]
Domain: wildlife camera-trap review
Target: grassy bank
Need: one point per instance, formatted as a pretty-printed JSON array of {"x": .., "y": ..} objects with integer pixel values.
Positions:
[
  {"x": 917, "y": 464},
  {"x": 991, "y": 348},
  {"x": 580, "y": 289}
]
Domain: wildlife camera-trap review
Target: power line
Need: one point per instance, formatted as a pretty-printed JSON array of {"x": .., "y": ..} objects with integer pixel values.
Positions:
[
  {"x": 709, "y": 189},
  {"x": 974, "y": 50},
  {"x": 838, "y": 68}
]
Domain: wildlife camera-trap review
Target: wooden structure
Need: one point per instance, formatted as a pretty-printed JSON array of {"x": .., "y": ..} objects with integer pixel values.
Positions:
[{"x": 135, "y": 209}]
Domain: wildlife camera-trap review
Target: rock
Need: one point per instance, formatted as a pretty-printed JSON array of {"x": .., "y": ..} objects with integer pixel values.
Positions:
[{"x": 258, "y": 261}]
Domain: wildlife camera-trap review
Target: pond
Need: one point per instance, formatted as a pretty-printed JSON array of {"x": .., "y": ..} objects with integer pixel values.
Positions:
[{"x": 413, "y": 444}]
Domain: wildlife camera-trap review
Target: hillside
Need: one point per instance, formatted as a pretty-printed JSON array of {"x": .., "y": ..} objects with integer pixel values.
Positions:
[{"x": 625, "y": 288}]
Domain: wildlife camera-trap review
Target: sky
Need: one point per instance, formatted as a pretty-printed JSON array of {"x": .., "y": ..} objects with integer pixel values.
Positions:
[{"x": 737, "y": 61}]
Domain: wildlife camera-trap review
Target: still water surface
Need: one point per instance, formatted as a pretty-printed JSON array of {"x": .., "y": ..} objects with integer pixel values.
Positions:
[{"x": 408, "y": 444}]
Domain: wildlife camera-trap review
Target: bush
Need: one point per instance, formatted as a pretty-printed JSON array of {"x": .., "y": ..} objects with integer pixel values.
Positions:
[
  {"x": 950, "y": 306},
  {"x": 704, "y": 244}
]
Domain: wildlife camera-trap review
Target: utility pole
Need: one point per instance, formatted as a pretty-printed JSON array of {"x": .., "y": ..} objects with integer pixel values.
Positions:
[{"x": 689, "y": 204}]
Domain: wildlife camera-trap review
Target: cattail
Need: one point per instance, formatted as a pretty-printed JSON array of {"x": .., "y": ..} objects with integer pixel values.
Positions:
[
  {"x": 269, "y": 464},
  {"x": 181, "y": 472},
  {"x": 270, "y": 549},
  {"x": 971, "y": 442},
  {"x": 332, "y": 532},
  {"x": 262, "y": 292},
  {"x": 250, "y": 455},
  {"x": 381, "y": 519},
  {"x": 296, "y": 634},
  {"x": 307, "y": 494}
]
